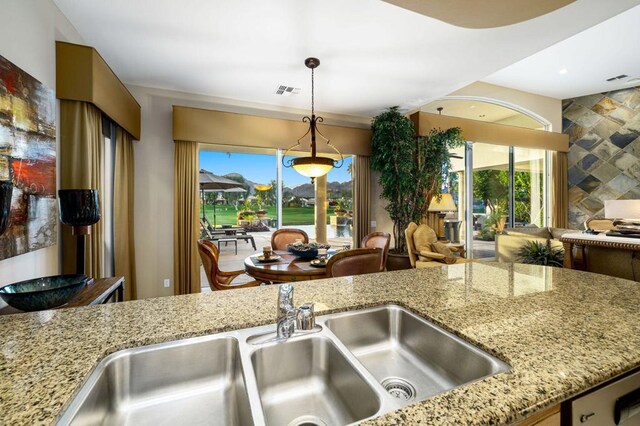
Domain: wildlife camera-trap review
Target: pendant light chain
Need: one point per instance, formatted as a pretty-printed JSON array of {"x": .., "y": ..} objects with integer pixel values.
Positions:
[{"x": 312, "y": 92}]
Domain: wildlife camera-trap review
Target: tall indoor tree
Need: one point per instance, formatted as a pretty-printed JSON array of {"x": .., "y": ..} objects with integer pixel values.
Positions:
[{"x": 412, "y": 168}]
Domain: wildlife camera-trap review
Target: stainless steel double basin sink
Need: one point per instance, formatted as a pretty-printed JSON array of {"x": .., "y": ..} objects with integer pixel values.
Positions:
[{"x": 356, "y": 365}]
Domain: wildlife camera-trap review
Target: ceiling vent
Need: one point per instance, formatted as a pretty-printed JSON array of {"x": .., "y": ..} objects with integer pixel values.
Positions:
[
  {"x": 619, "y": 77},
  {"x": 287, "y": 90}
]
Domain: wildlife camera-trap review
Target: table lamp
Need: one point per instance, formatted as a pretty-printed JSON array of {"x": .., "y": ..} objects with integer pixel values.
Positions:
[
  {"x": 442, "y": 206},
  {"x": 79, "y": 208}
]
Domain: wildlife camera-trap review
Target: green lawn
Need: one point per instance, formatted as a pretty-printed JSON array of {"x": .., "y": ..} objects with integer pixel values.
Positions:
[{"x": 227, "y": 215}]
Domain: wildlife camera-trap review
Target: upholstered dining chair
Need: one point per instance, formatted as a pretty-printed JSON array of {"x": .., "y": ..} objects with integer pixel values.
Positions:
[
  {"x": 379, "y": 240},
  {"x": 218, "y": 280},
  {"x": 421, "y": 245},
  {"x": 283, "y": 237},
  {"x": 354, "y": 262}
]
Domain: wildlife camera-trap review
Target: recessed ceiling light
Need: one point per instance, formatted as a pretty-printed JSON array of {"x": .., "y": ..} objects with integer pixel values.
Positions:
[
  {"x": 472, "y": 106},
  {"x": 563, "y": 71}
]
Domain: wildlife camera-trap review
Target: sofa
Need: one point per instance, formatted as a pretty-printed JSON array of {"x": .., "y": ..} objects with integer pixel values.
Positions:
[{"x": 509, "y": 242}]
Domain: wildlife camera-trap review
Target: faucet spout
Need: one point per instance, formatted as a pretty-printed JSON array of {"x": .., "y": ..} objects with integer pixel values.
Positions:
[{"x": 285, "y": 300}]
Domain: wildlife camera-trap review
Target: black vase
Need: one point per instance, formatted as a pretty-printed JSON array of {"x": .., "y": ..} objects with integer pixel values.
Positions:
[
  {"x": 6, "y": 190},
  {"x": 79, "y": 207}
]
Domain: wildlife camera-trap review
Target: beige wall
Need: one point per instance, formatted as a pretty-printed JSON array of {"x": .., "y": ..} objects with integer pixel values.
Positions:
[
  {"x": 27, "y": 38},
  {"x": 154, "y": 176}
]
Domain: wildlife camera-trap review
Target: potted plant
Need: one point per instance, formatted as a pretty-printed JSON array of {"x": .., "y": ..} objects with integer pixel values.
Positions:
[
  {"x": 412, "y": 170},
  {"x": 536, "y": 253},
  {"x": 339, "y": 209}
]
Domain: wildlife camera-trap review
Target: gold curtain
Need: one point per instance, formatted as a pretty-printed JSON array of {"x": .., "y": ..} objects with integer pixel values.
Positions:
[
  {"x": 185, "y": 221},
  {"x": 559, "y": 190},
  {"x": 123, "y": 230},
  {"x": 81, "y": 159},
  {"x": 361, "y": 198}
]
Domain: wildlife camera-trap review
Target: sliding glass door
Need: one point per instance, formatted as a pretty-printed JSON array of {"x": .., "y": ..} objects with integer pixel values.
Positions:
[
  {"x": 530, "y": 207},
  {"x": 498, "y": 187},
  {"x": 491, "y": 196}
]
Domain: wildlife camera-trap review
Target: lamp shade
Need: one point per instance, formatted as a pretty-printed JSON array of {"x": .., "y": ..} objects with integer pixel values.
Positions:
[
  {"x": 6, "y": 190},
  {"x": 622, "y": 209},
  {"x": 312, "y": 167},
  {"x": 79, "y": 207},
  {"x": 444, "y": 204}
]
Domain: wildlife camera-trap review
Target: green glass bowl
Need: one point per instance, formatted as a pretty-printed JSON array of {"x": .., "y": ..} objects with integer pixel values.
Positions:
[{"x": 43, "y": 293}]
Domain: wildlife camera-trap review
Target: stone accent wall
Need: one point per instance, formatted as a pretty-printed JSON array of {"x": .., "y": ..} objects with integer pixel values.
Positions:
[{"x": 604, "y": 151}]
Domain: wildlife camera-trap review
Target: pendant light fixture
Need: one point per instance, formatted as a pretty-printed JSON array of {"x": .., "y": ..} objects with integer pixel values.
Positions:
[{"x": 312, "y": 166}]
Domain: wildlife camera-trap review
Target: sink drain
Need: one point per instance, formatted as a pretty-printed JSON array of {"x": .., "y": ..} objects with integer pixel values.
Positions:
[
  {"x": 307, "y": 421},
  {"x": 399, "y": 388}
]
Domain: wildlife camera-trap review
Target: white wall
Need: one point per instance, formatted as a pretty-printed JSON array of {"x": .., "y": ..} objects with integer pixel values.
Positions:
[{"x": 27, "y": 38}]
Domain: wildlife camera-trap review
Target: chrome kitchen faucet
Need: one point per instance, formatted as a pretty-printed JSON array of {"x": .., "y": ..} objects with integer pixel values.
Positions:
[{"x": 291, "y": 318}]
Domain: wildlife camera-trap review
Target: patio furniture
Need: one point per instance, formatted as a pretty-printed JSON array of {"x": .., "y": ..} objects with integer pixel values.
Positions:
[
  {"x": 229, "y": 234},
  {"x": 355, "y": 262},
  {"x": 379, "y": 240},
  {"x": 218, "y": 280},
  {"x": 287, "y": 269},
  {"x": 212, "y": 183},
  {"x": 420, "y": 240},
  {"x": 283, "y": 237},
  {"x": 226, "y": 241}
]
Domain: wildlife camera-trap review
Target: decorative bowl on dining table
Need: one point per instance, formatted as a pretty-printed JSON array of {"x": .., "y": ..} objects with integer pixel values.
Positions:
[
  {"x": 307, "y": 251},
  {"x": 43, "y": 293}
]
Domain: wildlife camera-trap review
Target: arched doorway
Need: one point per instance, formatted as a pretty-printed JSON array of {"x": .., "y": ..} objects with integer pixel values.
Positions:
[{"x": 495, "y": 186}]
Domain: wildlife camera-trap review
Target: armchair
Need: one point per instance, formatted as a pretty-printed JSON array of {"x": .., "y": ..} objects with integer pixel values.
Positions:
[
  {"x": 419, "y": 244},
  {"x": 218, "y": 280}
]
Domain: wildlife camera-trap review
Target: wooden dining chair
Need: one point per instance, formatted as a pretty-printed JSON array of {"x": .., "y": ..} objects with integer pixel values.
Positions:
[
  {"x": 354, "y": 262},
  {"x": 283, "y": 237},
  {"x": 218, "y": 280},
  {"x": 379, "y": 240}
]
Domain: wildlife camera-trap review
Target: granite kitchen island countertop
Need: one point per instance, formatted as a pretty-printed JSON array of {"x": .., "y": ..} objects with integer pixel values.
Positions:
[{"x": 562, "y": 332}]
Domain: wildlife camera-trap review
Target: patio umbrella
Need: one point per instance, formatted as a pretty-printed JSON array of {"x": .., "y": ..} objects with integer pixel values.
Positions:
[{"x": 211, "y": 182}]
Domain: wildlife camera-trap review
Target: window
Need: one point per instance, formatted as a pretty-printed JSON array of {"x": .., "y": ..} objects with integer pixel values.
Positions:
[
  {"x": 288, "y": 198},
  {"x": 109, "y": 157}
]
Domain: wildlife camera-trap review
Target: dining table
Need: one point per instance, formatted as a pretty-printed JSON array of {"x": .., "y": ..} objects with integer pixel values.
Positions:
[{"x": 287, "y": 268}]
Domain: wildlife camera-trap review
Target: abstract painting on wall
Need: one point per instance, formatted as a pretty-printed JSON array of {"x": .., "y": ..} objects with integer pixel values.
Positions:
[{"x": 27, "y": 161}]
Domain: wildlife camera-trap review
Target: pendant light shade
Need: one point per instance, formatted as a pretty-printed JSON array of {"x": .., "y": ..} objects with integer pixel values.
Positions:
[{"x": 313, "y": 166}]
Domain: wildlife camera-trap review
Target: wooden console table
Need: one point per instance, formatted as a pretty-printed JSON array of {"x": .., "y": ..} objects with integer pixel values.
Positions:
[
  {"x": 614, "y": 256},
  {"x": 95, "y": 292}
]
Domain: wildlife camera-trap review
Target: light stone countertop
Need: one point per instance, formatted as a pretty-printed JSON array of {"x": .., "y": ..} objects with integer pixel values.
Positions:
[{"x": 562, "y": 331}]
